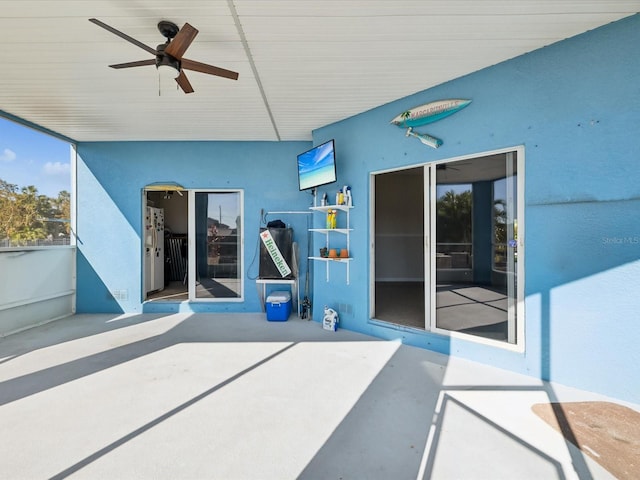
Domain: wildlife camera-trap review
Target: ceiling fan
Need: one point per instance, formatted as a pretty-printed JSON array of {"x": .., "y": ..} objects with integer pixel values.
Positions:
[
  {"x": 169, "y": 55},
  {"x": 444, "y": 166},
  {"x": 450, "y": 165}
]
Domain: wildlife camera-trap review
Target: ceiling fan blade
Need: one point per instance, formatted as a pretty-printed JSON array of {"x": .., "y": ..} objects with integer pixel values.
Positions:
[
  {"x": 209, "y": 69},
  {"x": 181, "y": 42},
  {"x": 152, "y": 51},
  {"x": 184, "y": 83},
  {"x": 139, "y": 63}
]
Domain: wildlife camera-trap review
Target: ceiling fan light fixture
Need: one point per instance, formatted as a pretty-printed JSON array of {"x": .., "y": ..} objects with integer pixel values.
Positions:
[
  {"x": 168, "y": 68},
  {"x": 168, "y": 71}
]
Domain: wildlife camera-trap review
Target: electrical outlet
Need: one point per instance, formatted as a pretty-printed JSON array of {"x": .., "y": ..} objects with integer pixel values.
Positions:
[
  {"x": 119, "y": 294},
  {"x": 345, "y": 308}
]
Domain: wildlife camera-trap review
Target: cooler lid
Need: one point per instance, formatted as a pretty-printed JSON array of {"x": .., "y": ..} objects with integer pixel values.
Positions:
[{"x": 279, "y": 296}]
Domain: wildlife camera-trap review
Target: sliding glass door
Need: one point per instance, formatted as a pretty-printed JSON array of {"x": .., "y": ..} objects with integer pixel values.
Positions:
[
  {"x": 474, "y": 222},
  {"x": 192, "y": 247},
  {"x": 450, "y": 263}
]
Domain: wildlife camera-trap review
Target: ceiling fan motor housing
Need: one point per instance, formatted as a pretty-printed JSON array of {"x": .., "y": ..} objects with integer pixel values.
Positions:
[{"x": 163, "y": 58}]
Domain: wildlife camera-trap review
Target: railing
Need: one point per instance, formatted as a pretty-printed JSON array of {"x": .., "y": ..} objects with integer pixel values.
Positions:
[
  {"x": 38, "y": 286},
  {"x": 500, "y": 253},
  {"x": 453, "y": 255},
  {"x": 500, "y": 257},
  {"x": 41, "y": 242}
]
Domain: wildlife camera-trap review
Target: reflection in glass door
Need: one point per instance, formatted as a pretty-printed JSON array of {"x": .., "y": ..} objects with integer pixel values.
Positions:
[
  {"x": 475, "y": 228},
  {"x": 216, "y": 270}
]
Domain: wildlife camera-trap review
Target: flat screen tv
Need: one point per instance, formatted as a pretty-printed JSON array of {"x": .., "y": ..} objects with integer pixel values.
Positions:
[{"x": 317, "y": 166}]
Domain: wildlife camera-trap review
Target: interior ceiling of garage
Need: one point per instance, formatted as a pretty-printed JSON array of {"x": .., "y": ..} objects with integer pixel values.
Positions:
[{"x": 302, "y": 63}]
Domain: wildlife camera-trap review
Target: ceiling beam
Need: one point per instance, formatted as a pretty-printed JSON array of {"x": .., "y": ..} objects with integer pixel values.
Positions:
[{"x": 256, "y": 75}]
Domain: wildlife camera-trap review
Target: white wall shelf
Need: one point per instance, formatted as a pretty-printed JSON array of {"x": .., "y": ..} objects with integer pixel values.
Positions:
[
  {"x": 325, "y": 208},
  {"x": 327, "y": 232},
  {"x": 344, "y": 231}
]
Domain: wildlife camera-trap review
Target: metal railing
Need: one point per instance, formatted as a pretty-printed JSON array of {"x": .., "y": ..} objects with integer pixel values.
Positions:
[
  {"x": 40, "y": 242},
  {"x": 453, "y": 255}
]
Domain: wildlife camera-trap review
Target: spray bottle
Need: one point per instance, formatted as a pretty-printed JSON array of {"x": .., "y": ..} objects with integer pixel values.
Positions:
[{"x": 347, "y": 195}]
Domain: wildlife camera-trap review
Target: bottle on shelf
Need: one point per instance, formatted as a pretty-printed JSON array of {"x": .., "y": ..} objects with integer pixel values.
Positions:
[{"x": 331, "y": 219}]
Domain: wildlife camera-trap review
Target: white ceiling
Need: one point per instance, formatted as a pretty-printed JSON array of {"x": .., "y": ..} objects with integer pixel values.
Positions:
[{"x": 303, "y": 63}]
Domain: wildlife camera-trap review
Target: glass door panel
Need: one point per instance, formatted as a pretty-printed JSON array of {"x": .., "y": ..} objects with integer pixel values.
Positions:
[
  {"x": 217, "y": 225},
  {"x": 475, "y": 246}
]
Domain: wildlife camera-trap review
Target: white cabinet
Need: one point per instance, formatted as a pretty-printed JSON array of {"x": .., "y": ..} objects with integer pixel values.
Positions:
[{"x": 342, "y": 212}]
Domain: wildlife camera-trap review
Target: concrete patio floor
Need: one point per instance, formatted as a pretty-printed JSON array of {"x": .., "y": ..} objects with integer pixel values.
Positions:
[{"x": 232, "y": 396}]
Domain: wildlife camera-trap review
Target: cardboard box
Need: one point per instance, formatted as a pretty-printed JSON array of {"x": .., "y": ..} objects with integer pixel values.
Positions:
[{"x": 278, "y": 306}]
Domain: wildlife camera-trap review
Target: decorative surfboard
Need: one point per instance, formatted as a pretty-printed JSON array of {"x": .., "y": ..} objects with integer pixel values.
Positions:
[{"x": 428, "y": 113}]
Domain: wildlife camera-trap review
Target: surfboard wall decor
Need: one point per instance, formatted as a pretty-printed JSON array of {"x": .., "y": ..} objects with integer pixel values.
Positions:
[{"x": 429, "y": 112}]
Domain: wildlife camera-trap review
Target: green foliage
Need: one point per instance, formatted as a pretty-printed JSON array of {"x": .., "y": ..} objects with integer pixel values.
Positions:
[
  {"x": 26, "y": 216},
  {"x": 453, "y": 222},
  {"x": 500, "y": 221}
]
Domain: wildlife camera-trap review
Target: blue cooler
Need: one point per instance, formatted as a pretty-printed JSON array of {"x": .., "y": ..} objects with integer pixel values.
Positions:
[{"x": 278, "y": 306}]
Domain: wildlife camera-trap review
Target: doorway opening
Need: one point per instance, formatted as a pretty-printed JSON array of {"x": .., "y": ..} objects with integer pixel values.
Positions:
[
  {"x": 399, "y": 258},
  {"x": 165, "y": 245},
  {"x": 446, "y": 246}
]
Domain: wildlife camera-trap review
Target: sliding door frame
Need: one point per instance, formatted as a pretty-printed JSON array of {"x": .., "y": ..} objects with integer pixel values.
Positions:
[{"x": 516, "y": 315}]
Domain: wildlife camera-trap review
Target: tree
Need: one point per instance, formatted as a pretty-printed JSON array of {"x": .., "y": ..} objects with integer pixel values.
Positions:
[
  {"x": 9, "y": 211},
  {"x": 26, "y": 216},
  {"x": 453, "y": 223},
  {"x": 61, "y": 211}
]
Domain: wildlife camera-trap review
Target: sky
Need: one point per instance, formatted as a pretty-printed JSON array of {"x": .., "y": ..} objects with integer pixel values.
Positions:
[
  {"x": 28, "y": 157},
  {"x": 225, "y": 204}
]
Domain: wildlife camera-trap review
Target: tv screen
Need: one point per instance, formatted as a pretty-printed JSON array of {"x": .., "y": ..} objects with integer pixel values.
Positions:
[{"x": 317, "y": 166}]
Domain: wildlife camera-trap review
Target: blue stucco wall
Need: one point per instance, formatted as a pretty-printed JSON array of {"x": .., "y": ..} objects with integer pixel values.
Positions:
[
  {"x": 111, "y": 177},
  {"x": 575, "y": 107}
]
